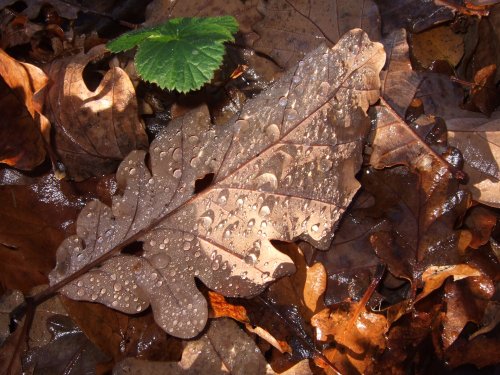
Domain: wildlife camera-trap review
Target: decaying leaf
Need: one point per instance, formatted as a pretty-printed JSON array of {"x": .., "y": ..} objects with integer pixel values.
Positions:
[
  {"x": 292, "y": 28},
  {"x": 479, "y": 141},
  {"x": 94, "y": 130},
  {"x": 212, "y": 353},
  {"x": 399, "y": 81},
  {"x": 23, "y": 127},
  {"x": 358, "y": 335},
  {"x": 275, "y": 175},
  {"x": 64, "y": 8}
]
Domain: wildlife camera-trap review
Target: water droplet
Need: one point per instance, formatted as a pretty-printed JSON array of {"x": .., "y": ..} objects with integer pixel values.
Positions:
[
  {"x": 207, "y": 219},
  {"x": 251, "y": 223},
  {"x": 263, "y": 224},
  {"x": 117, "y": 286},
  {"x": 315, "y": 228},
  {"x": 102, "y": 291},
  {"x": 132, "y": 171},
  {"x": 177, "y": 173},
  {"x": 296, "y": 79},
  {"x": 265, "y": 275},
  {"x": 283, "y": 101},
  {"x": 93, "y": 297},
  {"x": 264, "y": 211},
  {"x": 325, "y": 165},
  {"x": 186, "y": 246},
  {"x": 160, "y": 260},
  {"x": 193, "y": 139},
  {"x": 273, "y": 132},
  {"x": 241, "y": 125},
  {"x": 80, "y": 292},
  {"x": 197, "y": 254},
  {"x": 267, "y": 182},
  {"x": 79, "y": 283},
  {"x": 177, "y": 154},
  {"x": 222, "y": 199},
  {"x": 290, "y": 114},
  {"x": 163, "y": 154},
  {"x": 188, "y": 236}
]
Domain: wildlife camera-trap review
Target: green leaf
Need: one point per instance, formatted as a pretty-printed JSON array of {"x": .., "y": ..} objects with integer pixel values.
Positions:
[{"x": 181, "y": 54}]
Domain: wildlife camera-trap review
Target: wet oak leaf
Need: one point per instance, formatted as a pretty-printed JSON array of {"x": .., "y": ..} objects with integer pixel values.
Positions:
[
  {"x": 275, "y": 176},
  {"x": 23, "y": 126},
  {"x": 478, "y": 139},
  {"x": 94, "y": 130},
  {"x": 291, "y": 28}
]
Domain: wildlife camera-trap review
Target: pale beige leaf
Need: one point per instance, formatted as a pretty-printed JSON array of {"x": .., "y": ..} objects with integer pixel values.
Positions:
[{"x": 283, "y": 170}]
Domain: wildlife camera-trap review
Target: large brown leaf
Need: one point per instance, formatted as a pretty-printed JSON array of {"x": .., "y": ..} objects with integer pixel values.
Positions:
[
  {"x": 283, "y": 170},
  {"x": 291, "y": 28},
  {"x": 22, "y": 128},
  {"x": 94, "y": 130}
]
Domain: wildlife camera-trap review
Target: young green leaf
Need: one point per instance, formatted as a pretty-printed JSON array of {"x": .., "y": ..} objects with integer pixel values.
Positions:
[{"x": 181, "y": 54}]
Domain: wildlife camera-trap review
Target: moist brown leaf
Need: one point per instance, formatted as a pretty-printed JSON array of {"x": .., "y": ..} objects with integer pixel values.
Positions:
[
  {"x": 350, "y": 261},
  {"x": 223, "y": 349},
  {"x": 35, "y": 216},
  {"x": 422, "y": 210},
  {"x": 414, "y": 15},
  {"x": 484, "y": 96},
  {"x": 94, "y": 130},
  {"x": 480, "y": 221},
  {"x": 275, "y": 176},
  {"x": 438, "y": 43},
  {"x": 358, "y": 336},
  {"x": 69, "y": 351},
  {"x": 434, "y": 276},
  {"x": 479, "y": 139},
  {"x": 22, "y": 129},
  {"x": 461, "y": 307},
  {"x": 482, "y": 351},
  {"x": 290, "y": 29},
  {"x": 399, "y": 81}
]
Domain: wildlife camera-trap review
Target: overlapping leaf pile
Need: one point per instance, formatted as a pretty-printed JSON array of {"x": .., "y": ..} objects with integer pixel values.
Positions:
[{"x": 212, "y": 213}]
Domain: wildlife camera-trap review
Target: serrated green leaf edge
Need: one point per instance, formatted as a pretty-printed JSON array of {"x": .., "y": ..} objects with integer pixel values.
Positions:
[{"x": 203, "y": 35}]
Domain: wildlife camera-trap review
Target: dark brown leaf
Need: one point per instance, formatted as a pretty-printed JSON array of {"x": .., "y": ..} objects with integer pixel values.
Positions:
[
  {"x": 94, "y": 130},
  {"x": 64, "y": 8},
  {"x": 290, "y": 29},
  {"x": 399, "y": 81},
  {"x": 223, "y": 349},
  {"x": 275, "y": 177},
  {"x": 479, "y": 139}
]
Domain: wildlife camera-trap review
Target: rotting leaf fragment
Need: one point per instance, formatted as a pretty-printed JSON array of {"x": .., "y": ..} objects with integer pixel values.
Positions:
[{"x": 283, "y": 170}]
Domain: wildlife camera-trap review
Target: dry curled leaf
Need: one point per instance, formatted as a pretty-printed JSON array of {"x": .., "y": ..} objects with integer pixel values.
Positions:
[
  {"x": 94, "y": 129},
  {"x": 23, "y": 127},
  {"x": 290, "y": 29},
  {"x": 275, "y": 175},
  {"x": 64, "y": 8}
]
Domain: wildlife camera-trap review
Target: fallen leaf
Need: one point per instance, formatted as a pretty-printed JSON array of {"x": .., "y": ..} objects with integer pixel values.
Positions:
[
  {"x": 434, "y": 276},
  {"x": 290, "y": 29},
  {"x": 94, "y": 130},
  {"x": 275, "y": 176},
  {"x": 484, "y": 96},
  {"x": 32, "y": 10},
  {"x": 69, "y": 351},
  {"x": 358, "y": 336},
  {"x": 35, "y": 216},
  {"x": 120, "y": 335},
  {"x": 482, "y": 351},
  {"x": 223, "y": 349},
  {"x": 23, "y": 127},
  {"x": 399, "y": 80},
  {"x": 479, "y": 139},
  {"x": 350, "y": 261},
  {"x": 415, "y": 16},
  {"x": 461, "y": 307},
  {"x": 480, "y": 221},
  {"x": 438, "y": 43}
]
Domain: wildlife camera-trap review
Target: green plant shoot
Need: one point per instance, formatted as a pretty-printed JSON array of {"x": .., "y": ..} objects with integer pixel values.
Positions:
[{"x": 181, "y": 54}]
